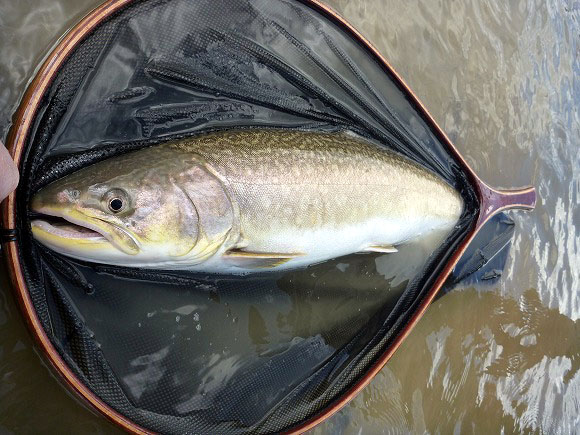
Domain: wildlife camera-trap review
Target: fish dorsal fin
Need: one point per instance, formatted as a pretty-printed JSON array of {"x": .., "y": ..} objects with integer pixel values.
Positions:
[
  {"x": 258, "y": 260},
  {"x": 384, "y": 249}
]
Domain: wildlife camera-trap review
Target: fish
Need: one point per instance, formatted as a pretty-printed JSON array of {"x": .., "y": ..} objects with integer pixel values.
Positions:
[{"x": 243, "y": 201}]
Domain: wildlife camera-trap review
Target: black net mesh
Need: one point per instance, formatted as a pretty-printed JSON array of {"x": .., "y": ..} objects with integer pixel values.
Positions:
[{"x": 178, "y": 352}]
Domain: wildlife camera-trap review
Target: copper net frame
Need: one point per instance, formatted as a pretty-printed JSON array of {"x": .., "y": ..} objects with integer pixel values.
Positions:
[{"x": 492, "y": 201}]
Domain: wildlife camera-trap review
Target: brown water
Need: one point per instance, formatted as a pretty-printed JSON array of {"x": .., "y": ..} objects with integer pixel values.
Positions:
[{"x": 502, "y": 79}]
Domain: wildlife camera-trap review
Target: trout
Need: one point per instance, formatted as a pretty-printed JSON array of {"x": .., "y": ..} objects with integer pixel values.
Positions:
[{"x": 243, "y": 201}]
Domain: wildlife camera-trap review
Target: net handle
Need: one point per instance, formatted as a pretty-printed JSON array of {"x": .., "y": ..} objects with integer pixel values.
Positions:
[{"x": 494, "y": 201}]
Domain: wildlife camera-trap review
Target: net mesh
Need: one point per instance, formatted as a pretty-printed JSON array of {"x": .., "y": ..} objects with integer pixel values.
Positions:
[{"x": 178, "y": 352}]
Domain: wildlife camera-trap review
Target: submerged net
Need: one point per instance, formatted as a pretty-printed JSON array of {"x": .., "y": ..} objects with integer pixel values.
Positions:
[{"x": 181, "y": 352}]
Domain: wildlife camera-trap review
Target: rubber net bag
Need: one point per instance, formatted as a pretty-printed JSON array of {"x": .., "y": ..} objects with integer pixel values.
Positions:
[{"x": 181, "y": 352}]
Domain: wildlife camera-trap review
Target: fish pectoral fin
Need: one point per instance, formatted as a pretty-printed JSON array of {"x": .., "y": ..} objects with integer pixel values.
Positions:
[
  {"x": 383, "y": 249},
  {"x": 258, "y": 260}
]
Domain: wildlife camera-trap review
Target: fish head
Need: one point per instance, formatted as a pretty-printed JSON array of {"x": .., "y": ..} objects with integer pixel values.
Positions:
[{"x": 122, "y": 211}]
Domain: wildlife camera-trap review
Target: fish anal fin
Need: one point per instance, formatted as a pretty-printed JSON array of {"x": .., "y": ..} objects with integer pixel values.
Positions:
[
  {"x": 258, "y": 260},
  {"x": 383, "y": 249}
]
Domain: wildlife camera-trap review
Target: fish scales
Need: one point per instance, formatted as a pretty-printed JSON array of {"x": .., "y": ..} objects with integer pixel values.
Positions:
[
  {"x": 303, "y": 178},
  {"x": 257, "y": 198}
]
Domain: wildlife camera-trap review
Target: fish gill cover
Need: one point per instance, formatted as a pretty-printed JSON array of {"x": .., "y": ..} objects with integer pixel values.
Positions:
[{"x": 183, "y": 352}]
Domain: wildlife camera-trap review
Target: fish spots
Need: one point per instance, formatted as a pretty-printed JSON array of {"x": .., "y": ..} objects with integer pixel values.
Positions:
[
  {"x": 282, "y": 190},
  {"x": 313, "y": 220}
]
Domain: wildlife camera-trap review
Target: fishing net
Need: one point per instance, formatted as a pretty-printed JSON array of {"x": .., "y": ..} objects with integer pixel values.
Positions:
[{"x": 182, "y": 352}]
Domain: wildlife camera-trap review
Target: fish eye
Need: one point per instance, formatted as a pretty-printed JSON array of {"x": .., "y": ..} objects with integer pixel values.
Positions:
[
  {"x": 116, "y": 205},
  {"x": 116, "y": 200}
]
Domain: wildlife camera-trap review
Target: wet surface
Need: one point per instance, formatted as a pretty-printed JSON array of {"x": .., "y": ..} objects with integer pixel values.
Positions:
[{"x": 502, "y": 82}]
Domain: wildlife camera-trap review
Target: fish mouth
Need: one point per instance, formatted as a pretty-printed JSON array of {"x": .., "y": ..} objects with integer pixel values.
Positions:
[
  {"x": 63, "y": 228},
  {"x": 71, "y": 232}
]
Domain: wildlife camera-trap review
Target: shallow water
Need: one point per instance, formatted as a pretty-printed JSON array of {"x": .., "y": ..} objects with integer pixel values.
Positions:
[{"x": 502, "y": 81}]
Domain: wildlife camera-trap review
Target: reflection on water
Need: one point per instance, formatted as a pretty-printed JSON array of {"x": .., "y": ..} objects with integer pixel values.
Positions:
[
  {"x": 514, "y": 364},
  {"x": 502, "y": 80}
]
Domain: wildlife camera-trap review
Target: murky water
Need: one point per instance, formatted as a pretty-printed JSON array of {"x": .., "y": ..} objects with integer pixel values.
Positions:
[{"x": 502, "y": 80}]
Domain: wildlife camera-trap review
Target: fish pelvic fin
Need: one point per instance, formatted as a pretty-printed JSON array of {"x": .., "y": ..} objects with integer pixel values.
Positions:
[
  {"x": 258, "y": 260},
  {"x": 383, "y": 249}
]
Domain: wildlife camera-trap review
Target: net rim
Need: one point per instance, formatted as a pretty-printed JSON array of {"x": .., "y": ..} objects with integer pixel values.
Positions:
[{"x": 492, "y": 201}]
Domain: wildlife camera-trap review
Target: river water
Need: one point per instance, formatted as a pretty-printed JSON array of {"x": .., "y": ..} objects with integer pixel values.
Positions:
[{"x": 502, "y": 79}]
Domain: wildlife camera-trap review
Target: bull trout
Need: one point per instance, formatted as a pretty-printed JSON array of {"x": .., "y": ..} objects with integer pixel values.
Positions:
[{"x": 243, "y": 201}]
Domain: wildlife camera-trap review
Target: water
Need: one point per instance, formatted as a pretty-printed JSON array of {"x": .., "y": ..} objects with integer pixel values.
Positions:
[{"x": 502, "y": 81}]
